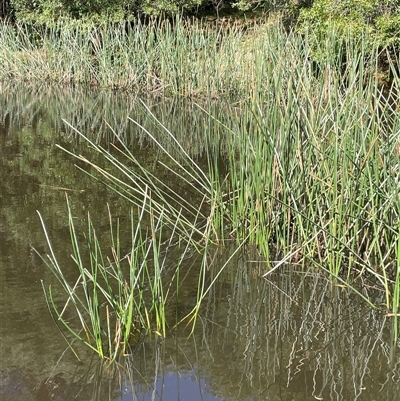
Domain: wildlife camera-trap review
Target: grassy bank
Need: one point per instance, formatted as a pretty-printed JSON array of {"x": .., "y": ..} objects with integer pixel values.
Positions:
[
  {"x": 177, "y": 57},
  {"x": 169, "y": 57},
  {"x": 308, "y": 168}
]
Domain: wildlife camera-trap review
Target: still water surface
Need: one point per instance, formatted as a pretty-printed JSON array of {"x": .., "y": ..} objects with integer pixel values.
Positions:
[{"x": 292, "y": 337}]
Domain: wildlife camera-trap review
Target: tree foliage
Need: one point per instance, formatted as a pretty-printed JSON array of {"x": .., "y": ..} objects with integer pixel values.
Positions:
[
  {"x": 379, "y": 19},
  {"x": 50, "y": 10}
]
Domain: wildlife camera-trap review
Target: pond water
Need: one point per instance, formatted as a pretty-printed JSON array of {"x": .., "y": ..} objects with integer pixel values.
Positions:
[{"x": 292, "y": 336}]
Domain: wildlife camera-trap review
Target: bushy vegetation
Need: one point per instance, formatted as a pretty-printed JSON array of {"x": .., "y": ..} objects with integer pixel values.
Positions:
[
  {"x": 372, "y": 16},
  {"x": 100, "y": 10},
  {"x": 378, "y": 20}
]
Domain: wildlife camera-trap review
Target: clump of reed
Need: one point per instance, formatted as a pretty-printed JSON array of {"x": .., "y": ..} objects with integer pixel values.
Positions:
[
  {"x": 315, "y": 173},
  {"x": 109, "y": 300},
  {"x": 112, "y": 298}
]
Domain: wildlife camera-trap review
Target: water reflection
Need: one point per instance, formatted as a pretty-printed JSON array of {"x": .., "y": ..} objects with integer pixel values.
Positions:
[
  {"x": 34, "y": 175},
  {"x": 293, "y": 337},
  {"x": 102, "y": 114},
  {"x": 172, "y": 385}
]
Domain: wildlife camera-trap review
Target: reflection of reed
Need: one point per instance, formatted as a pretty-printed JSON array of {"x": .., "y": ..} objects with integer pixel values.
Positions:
[
  {"x": 100, "y": 115},
  {"x": 295, "y": 334},
  {"x": 294, "y": 337}
]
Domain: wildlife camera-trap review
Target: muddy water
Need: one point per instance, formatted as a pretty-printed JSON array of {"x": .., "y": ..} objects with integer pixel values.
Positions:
[{"x": 291, "y": 337}]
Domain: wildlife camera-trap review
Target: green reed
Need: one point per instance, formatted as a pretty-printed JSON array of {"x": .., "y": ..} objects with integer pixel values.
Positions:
[
  {"x": 312, "y": 164},
  {"x": 110, "y": 299},
  {"x": 314, "y": 174},
  {"x": 181, "y": 57}
]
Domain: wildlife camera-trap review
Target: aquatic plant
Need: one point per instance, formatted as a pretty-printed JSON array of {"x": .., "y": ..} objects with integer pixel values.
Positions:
[
  {"x": 112, "y": 298},
  {"x": 109, "y": 300},
  {"x": 190, "y": 58}
]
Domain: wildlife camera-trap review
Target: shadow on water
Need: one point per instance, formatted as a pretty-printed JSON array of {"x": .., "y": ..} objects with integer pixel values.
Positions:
[{"x": 295, "y": 336}]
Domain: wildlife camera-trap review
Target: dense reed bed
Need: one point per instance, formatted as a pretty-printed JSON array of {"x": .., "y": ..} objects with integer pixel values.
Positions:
[
  {"x": 179, "y": 57},
  {"x": 307, "y": 169},
  {"x": 311, "y": 167},
  {"x": 175, "y": 57}
]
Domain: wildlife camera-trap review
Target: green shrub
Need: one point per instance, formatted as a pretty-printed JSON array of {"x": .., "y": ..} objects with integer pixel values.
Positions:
[
  {"x": 388, "y": 30},
  {"x": 378, "y": 19},
  {"x": 116, "y": 10}
]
